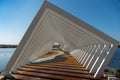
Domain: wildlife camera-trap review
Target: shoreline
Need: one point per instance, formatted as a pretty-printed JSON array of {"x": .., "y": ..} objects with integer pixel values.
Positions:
[{"x": 8, "y": 46}]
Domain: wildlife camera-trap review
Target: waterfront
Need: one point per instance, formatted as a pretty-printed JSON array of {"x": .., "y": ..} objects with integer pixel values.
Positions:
[
  {"x": 6, "y": 53},
  {"x": 115, "y": 61}
]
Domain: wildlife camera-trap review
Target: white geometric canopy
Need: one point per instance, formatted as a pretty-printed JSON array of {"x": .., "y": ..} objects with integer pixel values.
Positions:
[{"x": 89, "y": 46}]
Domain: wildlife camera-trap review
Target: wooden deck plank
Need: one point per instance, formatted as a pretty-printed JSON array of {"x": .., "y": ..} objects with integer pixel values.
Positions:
[
  {"x": 23, "y": 77},
  {"x": 50, "y": 76},
  {"x": 58, "y": 69},
  {"x": 85, "y": 76},
  {"x": 68, "y": 69}
]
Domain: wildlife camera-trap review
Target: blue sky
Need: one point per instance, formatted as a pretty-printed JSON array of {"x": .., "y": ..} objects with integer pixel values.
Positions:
[{"x": 16, "y": 16}]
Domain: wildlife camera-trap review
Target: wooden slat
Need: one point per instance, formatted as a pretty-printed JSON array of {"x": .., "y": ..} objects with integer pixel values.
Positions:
[
  {"x": 85, "y": 76},
  {"x": 63, "y": 67},
  {"x": 50, "y": 76},
  {"x": 57, "y": 69},
  {"x": 56, "y": 64},
  {"x": 23, "y": 77},
  {"x": 67, "y": 67}
]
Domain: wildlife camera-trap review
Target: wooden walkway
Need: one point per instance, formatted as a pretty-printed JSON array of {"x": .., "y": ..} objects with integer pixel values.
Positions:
[{"x": 63, "y": 67}]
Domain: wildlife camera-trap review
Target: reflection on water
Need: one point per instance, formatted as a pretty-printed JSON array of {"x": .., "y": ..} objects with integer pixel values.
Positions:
[{"x": 5, "y": 55}]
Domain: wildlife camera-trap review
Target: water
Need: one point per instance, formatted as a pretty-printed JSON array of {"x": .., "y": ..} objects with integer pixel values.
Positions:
[
  {"x": 115, "y": 61},
  {"x": 5, "y": 55}
]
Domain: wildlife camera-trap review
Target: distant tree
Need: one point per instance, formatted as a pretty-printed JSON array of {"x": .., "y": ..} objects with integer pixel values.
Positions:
[
  {"x": 8, "y": 46},
  {"x": 118, "y": 73}
]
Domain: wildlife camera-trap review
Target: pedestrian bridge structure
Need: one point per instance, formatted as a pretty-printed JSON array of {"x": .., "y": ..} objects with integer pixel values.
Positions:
[{"x": 91, "y": 48}]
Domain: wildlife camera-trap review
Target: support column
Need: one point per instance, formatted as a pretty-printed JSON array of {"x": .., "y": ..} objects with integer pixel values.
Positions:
[
  {"x": 86, "y": 56},
  {"x": 91, "y": 57},
  {"x": 83, "y": 54},
  {"x": 106, "y": 60},
  {"x": 87, "y": 59},
  {"x": 95, "y": 56},
  {"x": 92, "y": 60},
  {"x": 99, "y": 59},
  {"x": 87, "y": 52}
]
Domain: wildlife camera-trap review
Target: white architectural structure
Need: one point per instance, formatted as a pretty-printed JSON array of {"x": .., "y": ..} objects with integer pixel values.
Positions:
[{"x": 89, "y": 46}]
